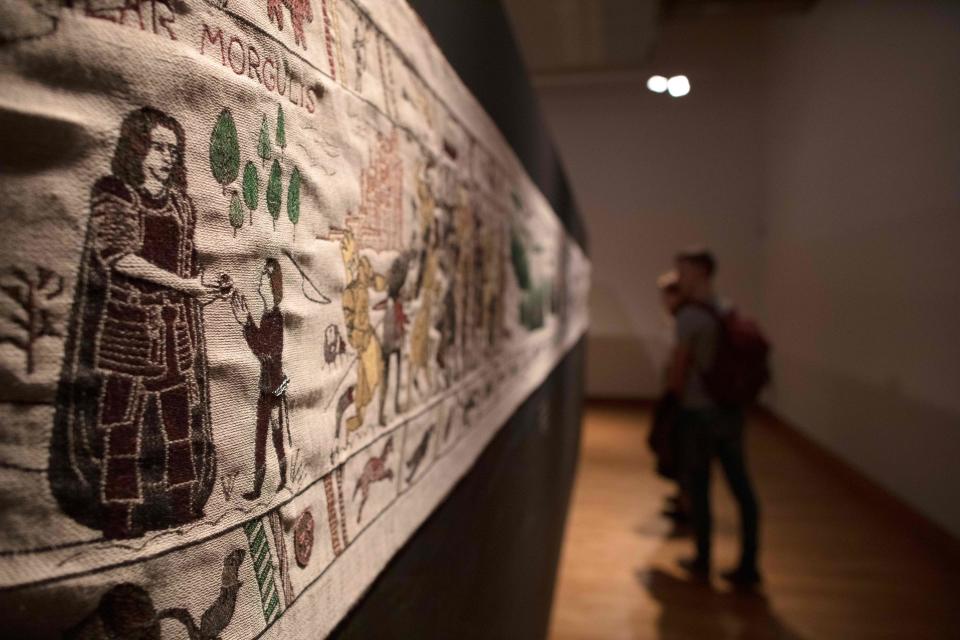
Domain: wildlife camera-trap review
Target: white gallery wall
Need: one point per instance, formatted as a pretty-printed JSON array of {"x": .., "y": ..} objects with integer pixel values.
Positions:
[
  {"x": 819, "y": 156},
  {"x": 653, "y": 174},
  {"x": 861, "y": 256}
]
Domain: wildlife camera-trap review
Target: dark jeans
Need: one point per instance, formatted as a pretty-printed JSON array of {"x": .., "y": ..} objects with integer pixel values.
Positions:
[{"x": 709, "y": 434}]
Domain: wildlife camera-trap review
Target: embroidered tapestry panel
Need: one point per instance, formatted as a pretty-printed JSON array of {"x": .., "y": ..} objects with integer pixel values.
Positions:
[{"x": 270, "y": 280}]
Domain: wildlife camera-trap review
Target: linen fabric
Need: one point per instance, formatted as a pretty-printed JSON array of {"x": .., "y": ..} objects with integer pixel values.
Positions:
[{"x": 270, "y": 280}]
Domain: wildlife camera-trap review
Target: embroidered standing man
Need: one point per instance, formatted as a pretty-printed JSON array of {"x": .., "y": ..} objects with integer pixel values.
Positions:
[
  {"x": 132, "y": 444},
  {"x": 266, "y": 342}
]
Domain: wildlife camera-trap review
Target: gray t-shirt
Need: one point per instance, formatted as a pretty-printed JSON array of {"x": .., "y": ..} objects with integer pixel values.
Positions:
[{"x": 699, "y": 331}]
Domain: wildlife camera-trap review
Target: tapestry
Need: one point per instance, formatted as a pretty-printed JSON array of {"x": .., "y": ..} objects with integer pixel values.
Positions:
[{"x": 270, "y": 281}]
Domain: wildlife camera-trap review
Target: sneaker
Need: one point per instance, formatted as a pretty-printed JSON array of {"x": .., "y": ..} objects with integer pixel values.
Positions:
[{"x": 743, "y": 578}]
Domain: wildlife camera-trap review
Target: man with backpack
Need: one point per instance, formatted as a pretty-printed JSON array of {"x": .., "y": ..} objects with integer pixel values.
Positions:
[{"x": 717, "y": 369}]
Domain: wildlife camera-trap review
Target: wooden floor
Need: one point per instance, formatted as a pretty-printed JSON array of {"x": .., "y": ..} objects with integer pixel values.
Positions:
[{"x": 836, "y": 564}]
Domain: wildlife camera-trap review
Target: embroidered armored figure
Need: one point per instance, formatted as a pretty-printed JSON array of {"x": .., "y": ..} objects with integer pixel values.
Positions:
[
  {"x": 428, "y": 290},
  {"x": 394, "y": 331},
  {"x": 375, "y": 470},
  {"x": 360, "y": 332},
  {"x": 266, "y": 343},
  {"x": 132, "y": 443},
  {"x": 463, "y": 279}
]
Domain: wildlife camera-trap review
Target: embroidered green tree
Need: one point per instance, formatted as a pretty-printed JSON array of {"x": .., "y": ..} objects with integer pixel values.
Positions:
[
  {"x": 281, "y": 129},
  {"x": 274, "y": 192},
  {"x": 236, "y": 213},
  {"x": 518, "y": 256},
  {"x": 251, "y": 187},
  {"x": 293, "y": 198},
  {"x": 263, "y": 146},
  {"x": 224, "y": 150}
]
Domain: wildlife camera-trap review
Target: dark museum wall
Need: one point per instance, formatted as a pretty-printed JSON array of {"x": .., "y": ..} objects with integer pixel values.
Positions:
[{"x": 484, "y": 564}]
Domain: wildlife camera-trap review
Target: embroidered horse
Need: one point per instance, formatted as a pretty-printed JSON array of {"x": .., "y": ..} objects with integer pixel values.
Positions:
[
  {"x": 300, "y": 10},
  {"x": 374, "y": 470}
]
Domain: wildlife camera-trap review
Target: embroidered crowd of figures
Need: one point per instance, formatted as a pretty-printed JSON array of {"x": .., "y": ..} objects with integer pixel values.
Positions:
[{"x": 132, "y": 449}]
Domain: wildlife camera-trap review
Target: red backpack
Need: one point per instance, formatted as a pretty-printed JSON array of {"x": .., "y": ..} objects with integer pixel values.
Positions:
[{"x": 741, "y": 366}]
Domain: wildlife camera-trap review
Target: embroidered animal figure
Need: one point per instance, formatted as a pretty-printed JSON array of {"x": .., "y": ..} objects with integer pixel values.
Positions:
[
  {"x": 219, "y": 614},
  {"x": 374, "y": 470},
  {"x": 127, "y": 611},
  {"x": 300, "y": 11},
  {"x": 124, "y": 611},
  {"x": 419, "y": 454}
]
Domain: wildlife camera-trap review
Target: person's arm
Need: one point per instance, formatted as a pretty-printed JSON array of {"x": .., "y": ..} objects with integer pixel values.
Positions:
[
  {"x": 687, "y": 324},
  {"x": 115, "y": 225},
  {"x": 241, "y": 312},
  {"x": 136, "y": 267}
]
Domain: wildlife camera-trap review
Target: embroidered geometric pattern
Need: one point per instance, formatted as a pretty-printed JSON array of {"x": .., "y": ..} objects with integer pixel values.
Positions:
[{"x": 263, "y": 568}]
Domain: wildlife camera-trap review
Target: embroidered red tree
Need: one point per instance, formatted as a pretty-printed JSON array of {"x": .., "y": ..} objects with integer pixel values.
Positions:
[
  {"x": 33, "y": 293},
  {"x": 300, "y": 11}
]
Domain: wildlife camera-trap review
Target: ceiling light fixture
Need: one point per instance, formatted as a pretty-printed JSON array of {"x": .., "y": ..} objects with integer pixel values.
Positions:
[
  {"x": 657, "y": 84},
  {"x": 677, "y": 86}
]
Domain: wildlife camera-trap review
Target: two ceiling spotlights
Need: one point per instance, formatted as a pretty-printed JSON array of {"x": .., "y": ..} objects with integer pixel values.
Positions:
[{"x": 677, "y": 86}]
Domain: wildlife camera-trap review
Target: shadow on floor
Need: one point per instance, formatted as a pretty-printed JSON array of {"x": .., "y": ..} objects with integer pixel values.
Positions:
[{"x": 696, "y": 610}]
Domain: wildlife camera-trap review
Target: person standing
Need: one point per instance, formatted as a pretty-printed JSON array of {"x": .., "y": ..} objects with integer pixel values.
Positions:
[
  {"x": 710, "y": 429},
  {"x": 266, "y": 342},
  {"x": 132, "y": 444},
  {"x": 665, "y": 437}
]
